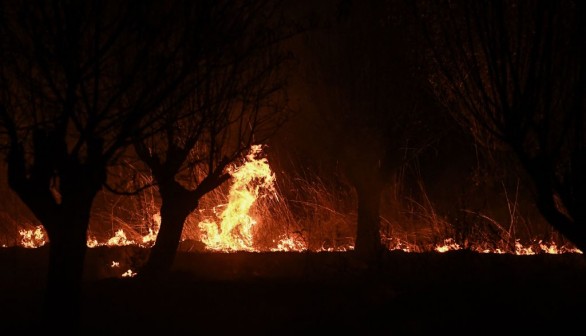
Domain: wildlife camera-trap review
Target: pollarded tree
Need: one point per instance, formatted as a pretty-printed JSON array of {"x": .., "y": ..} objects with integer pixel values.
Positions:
[
  {"x": 514, "y": 73},
  {"x": 77, "y": 80},
  {"x": 368, "y": 102},
  {"x": 236, "y": 100}
]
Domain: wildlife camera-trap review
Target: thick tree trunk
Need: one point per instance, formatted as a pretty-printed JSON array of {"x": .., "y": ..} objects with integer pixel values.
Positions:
[
  {"x": 163, "y": 253},
  {"x": 175, "y": 208},
  {"x": 569, "y": 221},
  {"x": 574, "y": 229},
  {"x": 368, "y": 246},
  {"x": 65, "y": 217},
  {"x": 67, "y": 250}
]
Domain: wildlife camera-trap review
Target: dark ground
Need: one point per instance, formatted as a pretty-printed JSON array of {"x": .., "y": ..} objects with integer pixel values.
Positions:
[{"x": 455, "y": 293}]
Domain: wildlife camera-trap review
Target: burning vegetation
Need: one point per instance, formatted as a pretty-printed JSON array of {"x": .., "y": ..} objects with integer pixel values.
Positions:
[
  {"x": 134, "y": 134},
  {"x": 255, "y": 217}
]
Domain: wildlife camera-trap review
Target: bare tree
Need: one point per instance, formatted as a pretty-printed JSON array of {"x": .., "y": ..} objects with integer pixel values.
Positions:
[
  {"x": 514, "y": 73},
  {"x": 368, "y": 107},
  {"x": 238, "y": 100},
  {"x": 77, "y": 80}
]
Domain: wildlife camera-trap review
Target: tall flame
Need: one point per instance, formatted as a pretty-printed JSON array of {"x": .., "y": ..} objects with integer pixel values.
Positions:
[{"x": 235, "y": 230}]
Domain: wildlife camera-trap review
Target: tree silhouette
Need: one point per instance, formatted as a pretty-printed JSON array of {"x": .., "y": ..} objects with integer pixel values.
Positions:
[
  {"x": 368, "y": 104},
  {"x": 237, "y": 100},
  {"x": 78, "y": 79},
  {"x": 514, "y": 73}
]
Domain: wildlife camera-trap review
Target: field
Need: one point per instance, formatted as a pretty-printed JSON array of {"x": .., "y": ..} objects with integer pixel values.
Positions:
[{"x": 292, "y": 293}]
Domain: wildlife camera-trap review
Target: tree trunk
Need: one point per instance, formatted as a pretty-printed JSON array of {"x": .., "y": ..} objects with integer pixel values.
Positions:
[
  {"x": 175, "y": 208},
  {"x": 569, "y": 221},
  {"x": 368, "y": 246},
  {"x": 65, "y": 217},
  {"x": 574, "y": 230},
  {"x": 67, "y": 250}
]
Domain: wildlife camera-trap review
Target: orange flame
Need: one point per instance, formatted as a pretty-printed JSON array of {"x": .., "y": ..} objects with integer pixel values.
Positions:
[
  {"x": 234, "y": 227},
  {"x": 32, "y": 238},
  {"x": 235, "y": 230}
]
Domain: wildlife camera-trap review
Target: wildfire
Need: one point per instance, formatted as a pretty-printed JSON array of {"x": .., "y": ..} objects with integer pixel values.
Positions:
[
  {"x": 234, "y": 227},
  {"x": 34, "y": 238},
  {"x": 235, "y": 230}
]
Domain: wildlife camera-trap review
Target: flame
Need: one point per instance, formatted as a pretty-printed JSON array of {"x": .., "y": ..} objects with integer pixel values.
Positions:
[
  {"x": 151, "y": 237},
  {"x": 92, "y": 242},
  {"x": 119, "y": 239},
  {"x": 290, "y": 244},
  {"x": 32, "y": 238},
  {"x": 235, "y": 230},
  {"x": 449, "y": 245},
  {"x": 233, "y": 226}
]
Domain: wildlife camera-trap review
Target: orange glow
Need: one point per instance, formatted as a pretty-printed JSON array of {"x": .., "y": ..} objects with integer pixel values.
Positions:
[
  {"x": 33, "y": 238},
  {"x": 150, "y": 238},
  {"x": 120, "y": 239},
  {"x": 290, "y": 244},
  {"x": 449, "y": 245},
  {"x": 234, "y": 232},
  {"x": 233, "y": 225}
]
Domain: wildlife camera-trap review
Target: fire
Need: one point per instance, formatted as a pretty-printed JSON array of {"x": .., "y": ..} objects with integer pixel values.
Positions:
[
  {"x": 235, "y": 230},
  {"x": 120, "y": 239},
  {"x": 32, "y": 238},
  {"x": 449, "y": 245},
  {"x": 233, "y": 226},
  {"x": 151, "y": 237},
  {"x": 289, "y": 244},
  {"x": 92, "y": 242}
]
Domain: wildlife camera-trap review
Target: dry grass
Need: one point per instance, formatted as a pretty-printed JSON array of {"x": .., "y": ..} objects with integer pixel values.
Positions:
[{"x": 322, "y": 214}]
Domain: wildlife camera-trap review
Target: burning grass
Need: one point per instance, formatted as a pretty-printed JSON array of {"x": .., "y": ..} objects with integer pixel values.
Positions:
[{"x": 255, "y": 212}]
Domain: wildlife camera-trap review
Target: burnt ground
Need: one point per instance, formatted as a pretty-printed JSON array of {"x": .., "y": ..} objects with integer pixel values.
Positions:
[{"x": 456, "y": 293}]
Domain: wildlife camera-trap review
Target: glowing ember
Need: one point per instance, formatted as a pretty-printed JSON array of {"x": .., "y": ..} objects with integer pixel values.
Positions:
[
  {"x": 115, "y": 264},
  {"x": 128, "y": 274},
  {"x": 235, "y": 230},
  {"x": 33, "y": 238}
]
